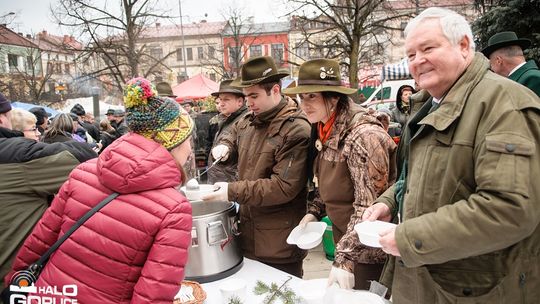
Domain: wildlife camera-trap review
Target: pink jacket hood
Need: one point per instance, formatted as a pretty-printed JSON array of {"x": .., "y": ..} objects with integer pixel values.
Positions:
[{"x": 134, "y": 163}]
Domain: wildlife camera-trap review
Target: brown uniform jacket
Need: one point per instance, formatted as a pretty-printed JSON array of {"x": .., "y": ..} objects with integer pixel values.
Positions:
[
  {"x": 355, "y": 166},
  {"x": 271, "y": 150},
  {"x": 224, "y": 172}
]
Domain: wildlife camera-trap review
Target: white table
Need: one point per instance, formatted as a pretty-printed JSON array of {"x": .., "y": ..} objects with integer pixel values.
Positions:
[{"x": 252, "y": 271}]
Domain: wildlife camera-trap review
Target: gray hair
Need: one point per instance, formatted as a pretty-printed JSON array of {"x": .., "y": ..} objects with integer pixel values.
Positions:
[
  {"x": 509, "y": 51},
  {"x": 21, "y": 118},
  {"x": 453, "y": 25}
]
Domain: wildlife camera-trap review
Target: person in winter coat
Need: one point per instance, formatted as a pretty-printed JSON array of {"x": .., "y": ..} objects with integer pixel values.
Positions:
[
  {"x": 466, "y": 199},
  {"x": 270, "y": 144},
  {"x": 31, "y": 173},
  {"x": 90, "y": 128},
  {"x": 24, "y": 121},
  {"x": 505, "y": 54},
  {"x": 108, "y": 133},
  {"x": 346, "y": 184},
  {"x": 61, "y": 129},
  {"x": 402, "y": 110},
  {"x": 232, "y": 107},
  {"x": 134, "y": 249}
]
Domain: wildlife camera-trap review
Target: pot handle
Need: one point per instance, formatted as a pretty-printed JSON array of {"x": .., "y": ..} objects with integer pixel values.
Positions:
[
  {"x": 216, "y": 233},
  {"x": 235, "y": 230}
]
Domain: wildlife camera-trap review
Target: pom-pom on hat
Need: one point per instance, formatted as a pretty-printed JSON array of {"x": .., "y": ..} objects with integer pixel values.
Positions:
[{"x": 157, "y": 118}]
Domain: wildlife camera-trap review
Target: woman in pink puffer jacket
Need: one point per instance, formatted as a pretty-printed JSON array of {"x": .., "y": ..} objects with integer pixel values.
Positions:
[{"x": 134, "y": 249}]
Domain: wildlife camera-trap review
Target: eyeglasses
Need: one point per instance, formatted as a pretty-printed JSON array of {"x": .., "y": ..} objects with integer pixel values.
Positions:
[{"x": 35, "y": 130}]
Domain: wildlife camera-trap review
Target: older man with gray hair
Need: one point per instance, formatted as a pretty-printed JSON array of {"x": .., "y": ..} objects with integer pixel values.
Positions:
[{"x": 466, "y": 202}]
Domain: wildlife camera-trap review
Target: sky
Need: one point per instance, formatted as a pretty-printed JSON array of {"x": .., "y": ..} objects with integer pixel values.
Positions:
[{"x": 33, "y": 16}]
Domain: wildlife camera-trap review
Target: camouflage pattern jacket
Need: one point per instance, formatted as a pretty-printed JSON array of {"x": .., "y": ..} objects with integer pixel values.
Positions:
[{"x": 366, "y": 153}]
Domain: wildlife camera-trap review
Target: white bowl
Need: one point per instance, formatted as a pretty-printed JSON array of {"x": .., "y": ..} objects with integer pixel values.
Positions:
[
  {"x": 312, "y": 291},
  {"x": 233, "y": 287},
  {"x": 368, "y": 232},
  {"x": 309, "y": 237},
  {"x": 195, "y": 195}
]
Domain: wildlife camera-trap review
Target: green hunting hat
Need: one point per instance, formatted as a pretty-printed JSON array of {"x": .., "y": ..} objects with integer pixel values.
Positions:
[
  {"x": 319, "y": 75},
  {"x": 226, "y": 87},
  {"x": 258, "y": 70},
  {"x": 164, "y": 89},
  {"x": 503, "y": 39}
]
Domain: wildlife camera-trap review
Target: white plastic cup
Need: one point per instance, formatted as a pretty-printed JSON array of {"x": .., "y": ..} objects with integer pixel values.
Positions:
[{"x": 233, "y": 288}]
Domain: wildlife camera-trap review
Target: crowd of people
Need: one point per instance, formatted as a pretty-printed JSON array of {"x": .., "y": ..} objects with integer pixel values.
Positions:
[{"x": 460, "y": 185}]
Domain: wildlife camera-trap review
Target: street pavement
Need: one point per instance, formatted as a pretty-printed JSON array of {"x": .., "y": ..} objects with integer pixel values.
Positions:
[{"x": 316, "y": 266}]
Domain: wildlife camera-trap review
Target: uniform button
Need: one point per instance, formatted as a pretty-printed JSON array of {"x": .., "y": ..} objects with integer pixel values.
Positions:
[
  {"x": 510, "y": 147},
  {"x": 467, "y": 292},
  {"x": 407, "y": 191},
  {"x": 418, "y": 244},
  {"x": 400, "y": 262}
]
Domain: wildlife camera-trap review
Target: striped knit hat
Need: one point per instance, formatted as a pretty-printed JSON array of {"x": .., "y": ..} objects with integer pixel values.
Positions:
[{"x": 157, "y": 118}]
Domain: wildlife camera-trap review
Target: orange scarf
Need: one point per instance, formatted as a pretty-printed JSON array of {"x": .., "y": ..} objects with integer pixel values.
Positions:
[{"x": 326, "y": 129}]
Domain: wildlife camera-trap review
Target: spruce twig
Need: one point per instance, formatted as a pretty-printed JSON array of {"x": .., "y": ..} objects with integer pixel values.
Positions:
[{"x": 282, "y": 292}]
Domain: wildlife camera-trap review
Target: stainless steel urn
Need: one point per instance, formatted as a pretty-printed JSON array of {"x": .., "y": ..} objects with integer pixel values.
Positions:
[{"x": 215, "y": 252}]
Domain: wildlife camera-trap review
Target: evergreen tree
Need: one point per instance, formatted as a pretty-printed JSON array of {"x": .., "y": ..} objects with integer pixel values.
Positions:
[{"x": 519, "y": 16}]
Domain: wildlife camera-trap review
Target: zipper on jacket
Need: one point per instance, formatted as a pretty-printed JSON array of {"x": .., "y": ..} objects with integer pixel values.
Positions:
[
  {"x": 288, "y": 166},
  {"x": 522, "y": 280}
]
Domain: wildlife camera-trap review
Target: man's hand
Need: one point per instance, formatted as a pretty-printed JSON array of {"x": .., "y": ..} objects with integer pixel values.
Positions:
[
  {"x": 378, "y": 211},
  {"x": 306, "y": 219},
  {"x": 220, "y": 195},
  {"x": 388, "y": 242},
  {"x": 342, "y": 277},
  {"x": 220, "y": 152}
]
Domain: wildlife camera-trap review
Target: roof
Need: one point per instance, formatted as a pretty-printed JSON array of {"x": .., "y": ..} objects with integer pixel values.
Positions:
[
  {"x": 9, "y": 37},
  {"x": 196, "y": 87},
  {"x": 48, "y": 42},
  {"x": 190, "y": 29},
  {"x": 260, "y": 28}
]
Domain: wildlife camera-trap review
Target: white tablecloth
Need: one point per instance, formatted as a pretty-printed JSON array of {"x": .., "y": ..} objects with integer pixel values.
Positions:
[{"x": 252, "y": 271}]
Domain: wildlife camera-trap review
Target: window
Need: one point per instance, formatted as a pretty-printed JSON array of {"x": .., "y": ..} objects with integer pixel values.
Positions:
[
  {"x": 213, "y": 76},
  {"x": 13, "y": 61},
  {"x": 302, "y": 50},
  {"x": 403, "y": 26},
  {"x": 29, "y": 63},
  {"x": 211, "y": 52},
  {"x": 189, "y": 53},
  {"x": 277, "y": 53},
  {"x": 156, "y": 53},
  {"x": 67, "y": 68},
  {"x": 50, "y": 68},
  {"x": 179, "y": 54},
  {"x": 255, "y": 50},
  {"x": 234, "y": 56},
  {"x": 58, "y": 68},
  {"x": 200, "y": 53}
]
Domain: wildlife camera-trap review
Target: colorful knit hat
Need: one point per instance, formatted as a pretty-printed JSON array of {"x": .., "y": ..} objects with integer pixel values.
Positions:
[{"x": 158, "y": 118}]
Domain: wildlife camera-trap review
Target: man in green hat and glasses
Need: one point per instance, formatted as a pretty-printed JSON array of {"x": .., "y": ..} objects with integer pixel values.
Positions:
[
  {"x": 505, "y": 53},
  {"x": 270, "y": 144}
]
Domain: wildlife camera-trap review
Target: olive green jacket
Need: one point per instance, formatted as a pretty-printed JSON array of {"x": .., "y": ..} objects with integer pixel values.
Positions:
[{"x": 469, "y": 231}]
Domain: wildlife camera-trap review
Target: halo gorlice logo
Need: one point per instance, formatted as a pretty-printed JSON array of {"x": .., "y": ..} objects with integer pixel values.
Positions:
[
  {"x": 24, "y": 291},
  {"x": 23, "y": 281}
]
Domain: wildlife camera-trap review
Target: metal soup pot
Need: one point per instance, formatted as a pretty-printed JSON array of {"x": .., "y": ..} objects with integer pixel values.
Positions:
[{"x": 214, "y": 253}]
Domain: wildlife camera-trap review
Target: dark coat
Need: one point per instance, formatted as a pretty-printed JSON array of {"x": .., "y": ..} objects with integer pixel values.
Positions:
[
  {"x": 30, "y": 174},
  {"x": 224, "y": 172},
  {"x": 529, "y": 76}
]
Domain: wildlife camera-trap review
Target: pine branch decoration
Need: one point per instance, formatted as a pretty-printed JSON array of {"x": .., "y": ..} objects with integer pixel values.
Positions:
[{"x": 275, "y": 292}]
